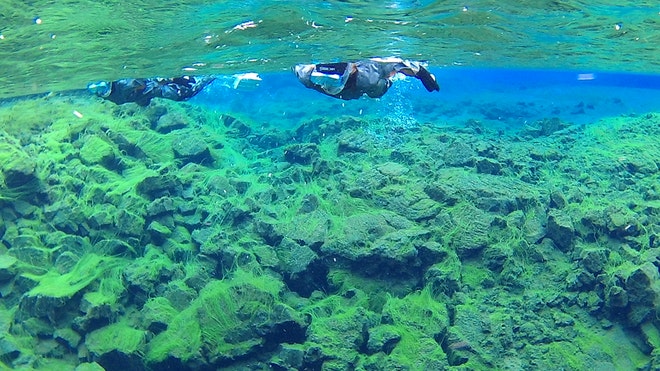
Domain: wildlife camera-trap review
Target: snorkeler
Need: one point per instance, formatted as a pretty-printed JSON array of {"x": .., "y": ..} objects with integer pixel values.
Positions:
[
  {"x": 351, "y": 80},
  {"x": 142, "y": 91}
]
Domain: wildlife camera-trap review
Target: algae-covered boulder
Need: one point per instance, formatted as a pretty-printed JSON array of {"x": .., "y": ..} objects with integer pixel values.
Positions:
[
  {"x": 560, "y": 229},
  {"x": 230, "y": 320},
  {"x": 488, "y": 192},
  {"x": 55, "y": 290},
  {"x": 383, "y": 338},
  {"x": 117, "y": 347},
  {"x": 643, "y": 288},
  {"x": 192, "y": 148},
  {"x": 467, "y": 233},
  {"x": 96, "y": 151},
  {"x": 302, "y": 154},
  {"x": 419, "y": 319},
  {"x": 7, "y": 267},
  {"x": 89, "y": 366},
  {"x": 157, "y": 313},
  {"x": 379, "y": 242},
  {"x": 170, "y": 122},
  {"x": 339, "y": 337},
  {"x": 293, "y": 257}
]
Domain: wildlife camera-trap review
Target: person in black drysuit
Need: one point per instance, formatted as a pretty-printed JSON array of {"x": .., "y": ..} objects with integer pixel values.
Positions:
[
  {"x": 142, "y": 91},
  {"x": 351, "y": 80}
]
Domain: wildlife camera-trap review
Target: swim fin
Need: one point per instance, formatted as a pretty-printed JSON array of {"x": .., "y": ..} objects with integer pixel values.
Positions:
[{"x": 428, "y": 79}]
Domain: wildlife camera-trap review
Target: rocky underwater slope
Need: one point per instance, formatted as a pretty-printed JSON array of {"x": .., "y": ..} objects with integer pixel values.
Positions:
[{"x": 174, "y": 237}]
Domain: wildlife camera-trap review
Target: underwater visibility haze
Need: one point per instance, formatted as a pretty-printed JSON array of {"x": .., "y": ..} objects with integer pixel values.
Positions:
[{"x": 508, "y": 221}]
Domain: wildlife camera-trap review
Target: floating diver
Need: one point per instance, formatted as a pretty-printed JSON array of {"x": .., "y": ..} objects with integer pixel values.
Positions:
[
  {"x": 351, "y": 80},
  {"x": 142, "y": 91}
]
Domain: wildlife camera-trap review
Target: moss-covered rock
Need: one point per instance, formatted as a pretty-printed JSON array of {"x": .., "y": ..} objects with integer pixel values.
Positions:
[
  {"x": 97, "y": 151},
  {"x": 117, "y": 346}
]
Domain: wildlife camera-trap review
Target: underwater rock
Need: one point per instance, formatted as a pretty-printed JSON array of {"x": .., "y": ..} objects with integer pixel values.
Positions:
[
  {"x": 307, "y": 229},
  {"x": 161, "y": 206},
  {"x": 544, "y": 127},
  {"x": 7, "y": 267},
  {"x": 267, "y": 229},
  {"x": 96, "y": 151},
  {"x": 21, "y": 174},
  {"x": 97, "y": 311},
  {"x": 364, "y": 186},
  {"x": 616, "y": 297},
  {"x": 643, "y": 289},
  {"x": 125, "y": 145},
  {"x": 392, "y": 169},
  {"x": 9, "y": 349},
  {"x": 89, "y": 366},
  {"x": 421, "y": 320},
  {"x": 104, "y": 217},
  {"x": 309, "y": 203},
  {"x": 238, "y": 128},
  {"x": 157, "y": 313},
  {"x": 179, "y": 294},
  {"x": 622, "y": 222},
  {"x": 444, "y": 277},
  {"x": 442, "y": 193},
  {"x": 459, "y": 154},
  {"x": 352, "y": 142},
  {"x": 641, "y": 164},
  {"x": 42, "y": 306},
  {"x": 487, "y": 192},
  {"x": 208, "y": 239},
  {"x": 158, "y": 232},
  {"x": 63, "y": 217},
  {"x": 66, "y": 261},
  {"x": 495, "y": 256},
  {"x": 73, "y": 243},
  {"x": 534, "y": 227},
  {"x": 285, "y": 325},
  {"x": 24, "y": 209},
  {"x": 382, "y": 338},
  {"x": 171, "y": 121},
  {"x": 557, "y": 199},
  {"x": 192, "y": 149},
  {"x": 129, "y": 224},
  {"x": 159, "y": 186},
  {"x": 114, "y": 247},
  {"x": 67, "y": 336},
  {"x": 339, "y": 337},
  {"x": 486, "y": 165},
  {"x": 594, "y": 260},
  {"x": 302, "y": 154},
  {"x": 470, "y": 230},
  {"x": 560, "y": 229},
  {"x": 288, "y": 357},
  {"x": 117, "y": 347},
  {"x": 36, "y": 256},
  {"x": 294, "y": 258},
  {"x": 142, "y": 275}
]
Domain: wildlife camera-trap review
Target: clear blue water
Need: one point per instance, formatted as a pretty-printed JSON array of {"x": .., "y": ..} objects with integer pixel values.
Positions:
[
  {"x": 419, "y": 243},
  {"x": 496, "y": 97}
]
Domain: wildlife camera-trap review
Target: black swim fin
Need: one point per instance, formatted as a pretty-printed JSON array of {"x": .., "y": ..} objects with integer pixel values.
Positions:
[{"x": 427, "y": 79}]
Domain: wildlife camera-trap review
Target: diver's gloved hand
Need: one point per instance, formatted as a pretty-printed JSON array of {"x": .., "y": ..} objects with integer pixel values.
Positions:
[
  {"x": 142, "y": 91},
  {"x": 351, "y": 80}
]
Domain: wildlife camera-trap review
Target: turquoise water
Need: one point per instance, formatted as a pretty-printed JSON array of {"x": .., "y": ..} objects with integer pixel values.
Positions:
[
  {"x": 510, "y": 221},
  {"x": 506, "y": 98}
]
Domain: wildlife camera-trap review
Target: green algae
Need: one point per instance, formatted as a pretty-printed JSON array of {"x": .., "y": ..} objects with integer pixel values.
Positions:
[
  {"x": 223, "y": 307},
  {"x": 116, "y": 337},
  {"x": 87, "y": 270}
]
